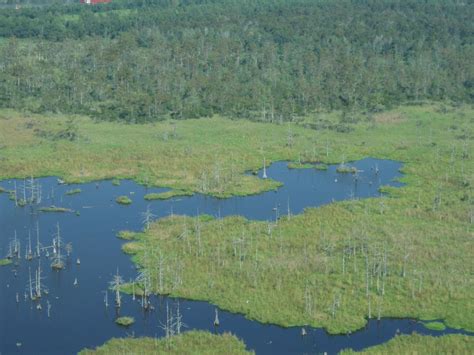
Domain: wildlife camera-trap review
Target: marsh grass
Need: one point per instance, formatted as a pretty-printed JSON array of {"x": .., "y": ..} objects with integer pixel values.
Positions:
[
  {"x": 5, "y": 262},
  {"x": 191, "y": 342},
  {"x": 289, "y": 273},
  {"x": 167, "y": 195},
  {"x": 55, "y": 209},
  {"x": 406, "y": 254},
  {"x": 73, "y": 192},
  {"x": 123, "y": 200},
  {"x": 439, "y": 326},
  {"x": 422, "y": 344},
  {"x": 125, "y": 321}
]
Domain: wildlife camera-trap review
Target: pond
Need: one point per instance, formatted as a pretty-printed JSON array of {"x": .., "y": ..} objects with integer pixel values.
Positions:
[{"x": 78, "y": 317}]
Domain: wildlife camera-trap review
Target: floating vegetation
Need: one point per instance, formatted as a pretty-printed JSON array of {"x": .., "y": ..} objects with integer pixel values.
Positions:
[
  {"x": 346, "y": 169},
  {"x": 439, "y": 326},
  {"x": 166, "y": 195},
  {"x": 123, "y": 200},
  {"x": 126, "y": 235},
  {"x": 299, "y": 165},
  {"x": 125, "y": 321},
  {"x": 116, "y": 182},
  {"x": 2, "y": 190},
  {"x": 73, "y": 192},
  {"x": 321, "y": 167},
  {"x": 5, "y": 262},
  {"x": 55, "y": 209}
]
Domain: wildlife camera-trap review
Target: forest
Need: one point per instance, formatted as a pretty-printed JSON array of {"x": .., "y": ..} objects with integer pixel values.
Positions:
[{"x": 269, "y": 60}]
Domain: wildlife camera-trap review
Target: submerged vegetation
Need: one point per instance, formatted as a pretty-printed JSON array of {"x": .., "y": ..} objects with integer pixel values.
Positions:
[
  {"x": 167, "y": 195},
  {"x": 125, "y": 321},
  {"x": 192, "y": 342},
  {"x": 5, "y": 262},
  {"x": 123, "y": 200},
  {"x": 422, "y": 344},
  {"x": 55, "y": 209}
]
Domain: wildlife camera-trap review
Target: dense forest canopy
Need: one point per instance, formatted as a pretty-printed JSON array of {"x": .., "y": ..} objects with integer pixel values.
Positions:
[{"x": 271, "y": 59}]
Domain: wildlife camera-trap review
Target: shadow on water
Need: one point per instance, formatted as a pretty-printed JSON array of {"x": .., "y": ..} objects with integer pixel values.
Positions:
[{"x": 78, "y": 317}]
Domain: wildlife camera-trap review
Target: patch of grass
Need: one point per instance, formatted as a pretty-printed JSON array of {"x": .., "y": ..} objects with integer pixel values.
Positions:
[
  {"x": 116, "y": 182},
  {"x": 434, "y": 326},
  {"x": 422, "y": 344},
  {"x": 402, "y": 255},
  {"x": 167, "y": 195},
  {"x": 321, "y": 167},
  {"x": 297, "y": 165},
  {"x": 416, "y": 241},
  {"x": 73, "y": 192},
  {"x": 5, "y": 262},
  {"x": 211, "y": 156},
  {"x": 346, "y": 169},
  {"x": 123, "y": 200},
  {"x": 54, "y": 209},
  {"x": 125, "y": 321},
  {"x": 130, "y": 248},
  {"x": 126, "y": 235},
  {"x": 192, "y": 342}
]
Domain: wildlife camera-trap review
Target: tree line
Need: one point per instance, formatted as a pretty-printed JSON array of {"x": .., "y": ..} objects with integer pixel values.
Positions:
[{"x": 272, "y": 60}]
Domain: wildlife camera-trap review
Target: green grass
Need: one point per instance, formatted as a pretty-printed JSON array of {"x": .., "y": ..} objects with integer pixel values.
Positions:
[
  {"x": 54, "y": 209},
  {"x": 298, "y": 165},
  {"x": 294, "y": 274},
  {"x": 321, "y": 167},
  {"x": 346, "y": 169},
  {"x": 421, "y": 344},
  {"x": 125, "y": 321},
  {"x": 435, "y": 326},
  {"x": 126, "y": 235},
  {"x": 209, "y": 156},
  {"x": 116, "y": 182},
  {"x": 192, "y": 342},
  {"x": 417, "y": 239},
  {"x": 5, "y": 262},
  {"x": 167, "y": 195},
  {"x": 123, "y": 200},
  {"x": 73, "y": 192}
]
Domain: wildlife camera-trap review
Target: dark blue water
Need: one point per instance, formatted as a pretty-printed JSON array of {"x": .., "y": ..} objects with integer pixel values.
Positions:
[{"x": 78, "y": 317}]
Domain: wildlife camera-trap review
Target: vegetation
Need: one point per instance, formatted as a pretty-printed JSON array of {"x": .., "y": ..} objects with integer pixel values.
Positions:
[
  {"x": 126, "y": 235},
  {"x": 435, "y": 326},
  {"x": 123, "y": 200},
  {"x": 142, "y": 61},
  {"x": 403, "y": 255},
  {"x": 54, "y": 209},
  {"x": 116, "y": 182},
  {"x": 421, "y": 344},
  {"x": 5, "y": 262},
  {"x": 125, "y": 321},
  {"x": 211, "y": 155},
  {"x": 299, "y": 165},
  {"x": 346, "y": 169},
  {"x": 167, "y": 195},
  {"x": 73, "y": 192},
  {"x": 192, "y": 342}
]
